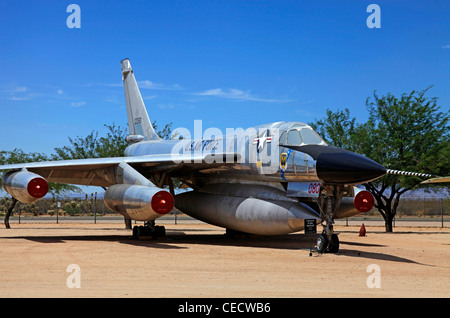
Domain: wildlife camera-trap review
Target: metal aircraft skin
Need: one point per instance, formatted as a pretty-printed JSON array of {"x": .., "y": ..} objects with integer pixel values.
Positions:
[{"x": 263, "y": 180}]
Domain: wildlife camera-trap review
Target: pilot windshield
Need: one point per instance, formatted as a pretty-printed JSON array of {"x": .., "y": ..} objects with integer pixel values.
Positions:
[{"x": 297, "y": 137}]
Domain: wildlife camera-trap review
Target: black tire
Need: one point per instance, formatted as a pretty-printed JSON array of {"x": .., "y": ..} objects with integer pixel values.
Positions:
[
  {"x": 160, "y": 231},
  {"x": 333, "y": 246},
  {"x": 136, "y": 232},
  {"x": 321, "y": 243}
]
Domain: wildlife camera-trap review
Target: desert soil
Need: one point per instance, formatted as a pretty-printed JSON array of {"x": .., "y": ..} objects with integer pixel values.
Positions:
[{"x": 197, "y": 260}]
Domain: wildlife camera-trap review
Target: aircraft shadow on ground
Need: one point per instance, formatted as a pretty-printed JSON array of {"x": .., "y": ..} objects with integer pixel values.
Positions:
[
  {"x": 178, "y": 239},
  {"x": 175, "y": 238},
  {"x": 379, "y": 256}
]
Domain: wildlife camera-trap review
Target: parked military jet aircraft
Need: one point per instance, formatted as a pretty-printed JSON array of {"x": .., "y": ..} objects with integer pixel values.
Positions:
[{"x": 263, "y": 180}]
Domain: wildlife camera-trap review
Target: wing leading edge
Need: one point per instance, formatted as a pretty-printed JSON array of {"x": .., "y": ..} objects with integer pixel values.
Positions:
[{"x": 102, "y": 171}]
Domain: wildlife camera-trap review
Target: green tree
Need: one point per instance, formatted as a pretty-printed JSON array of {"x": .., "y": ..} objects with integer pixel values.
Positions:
[
  {"x": 114, "y": 143},
  {"x": 165, "y": 133},
  {"x": 111, "y": 145},
  {"x": 18, "y": 156},
  {"x": 91, "y": 146},
  {"x": 337, "y": 128},
  {"x": 407, "y": 133}
]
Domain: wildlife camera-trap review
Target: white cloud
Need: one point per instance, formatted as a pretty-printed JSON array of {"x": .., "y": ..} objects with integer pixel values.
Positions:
[
  {"x": 19, "y": 89},
  {"x": 166, "y": 106},
  {"x": 447, "y": 46},
  {"x": 77, "y": 104},
  {"x": 20, "y": 98},
  {"x": 150, "y": 85},
  {"x": 24, "y": 93},
  {"x": 146, "y": 84},
  {"x": 238, "y": 94},
  {"x": 20, "y": 93}
]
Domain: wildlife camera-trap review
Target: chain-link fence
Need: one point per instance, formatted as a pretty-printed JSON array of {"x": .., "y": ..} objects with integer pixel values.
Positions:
[
  {"x": 421, "y": 207},
  {"x": 431, "y": 207},
  {"x": 92, "y": 207},
  {"x": 430, "y": 211},
  {"x": 85, "y": 208}
]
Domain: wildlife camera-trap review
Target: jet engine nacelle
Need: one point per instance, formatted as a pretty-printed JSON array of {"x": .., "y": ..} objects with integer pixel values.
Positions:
[
  {"x": 140, "y": 203},
  {"x": 362, "y": 202},
  {"x": 25, "y": 186}
]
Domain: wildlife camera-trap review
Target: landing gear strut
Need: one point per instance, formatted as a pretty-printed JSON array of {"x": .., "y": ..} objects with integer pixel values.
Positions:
[
  {"x": 329, "y": 201},
  {"x": 148, "y": 230}
]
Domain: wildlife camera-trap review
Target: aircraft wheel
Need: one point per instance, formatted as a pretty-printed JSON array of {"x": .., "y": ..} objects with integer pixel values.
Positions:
[
  {"x": 321, "y": 243},
  {"x": 157, "y": 231},
  {"x": 136, "y": 232},
  {"x": 333, "y": 246},
  {"x": 160, "y": 231}
]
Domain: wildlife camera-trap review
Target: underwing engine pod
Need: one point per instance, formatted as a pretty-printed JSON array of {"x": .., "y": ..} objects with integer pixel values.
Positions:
[
  {"x": 25, "y": 186},
  {"x": 140, "y": 203},
  {"x": 362, "y": 202}
]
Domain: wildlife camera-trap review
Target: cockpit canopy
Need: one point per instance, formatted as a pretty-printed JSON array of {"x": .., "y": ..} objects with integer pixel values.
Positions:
[{"x": 300, "y": 134}]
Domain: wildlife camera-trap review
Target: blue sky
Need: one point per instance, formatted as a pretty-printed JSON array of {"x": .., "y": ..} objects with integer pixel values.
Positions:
[{"x": 229, "y": 63}]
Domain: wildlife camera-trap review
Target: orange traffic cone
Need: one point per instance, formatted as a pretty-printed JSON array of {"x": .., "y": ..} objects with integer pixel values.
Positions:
[{"x": 362, "y": 230}]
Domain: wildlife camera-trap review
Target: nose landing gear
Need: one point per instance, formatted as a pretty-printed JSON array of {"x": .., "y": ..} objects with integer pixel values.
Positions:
[
  {"x": 329, "y": 200},
  {"x": 325, "y": 245}
]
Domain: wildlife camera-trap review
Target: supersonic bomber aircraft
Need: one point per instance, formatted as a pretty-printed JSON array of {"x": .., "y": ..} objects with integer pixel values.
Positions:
[{"x": 266, "y": 180}]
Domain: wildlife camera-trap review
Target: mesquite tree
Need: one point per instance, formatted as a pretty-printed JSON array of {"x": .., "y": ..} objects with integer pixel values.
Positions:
[{"x": 407, "y": 133}]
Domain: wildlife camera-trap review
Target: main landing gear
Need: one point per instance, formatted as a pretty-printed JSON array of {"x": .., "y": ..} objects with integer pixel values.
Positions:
[
  {"x": 327, "y": 245},
  {"x": 329, "y": 200},
  {"x": 148, "y": 231}
]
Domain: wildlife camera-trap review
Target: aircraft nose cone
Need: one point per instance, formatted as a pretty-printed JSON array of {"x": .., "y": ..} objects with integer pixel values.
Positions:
[{"x": 346, "y": 167}]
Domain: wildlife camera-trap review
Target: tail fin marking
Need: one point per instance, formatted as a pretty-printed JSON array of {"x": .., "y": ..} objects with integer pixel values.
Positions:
[{"x": 138, "y": 121}]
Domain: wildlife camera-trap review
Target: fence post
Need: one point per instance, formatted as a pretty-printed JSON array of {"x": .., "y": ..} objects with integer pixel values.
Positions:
[
  {"x": 95, "y": 208},
  {"x": 442, "y": 213},
  {"x": 423, "y": 206}
]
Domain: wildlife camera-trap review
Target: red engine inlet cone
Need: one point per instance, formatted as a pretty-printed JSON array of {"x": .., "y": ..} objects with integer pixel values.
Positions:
[{"x": 362, "y": 230}]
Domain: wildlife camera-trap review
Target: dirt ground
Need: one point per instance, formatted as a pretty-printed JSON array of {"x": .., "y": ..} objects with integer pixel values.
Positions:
[{"x": 196, "y": 260}]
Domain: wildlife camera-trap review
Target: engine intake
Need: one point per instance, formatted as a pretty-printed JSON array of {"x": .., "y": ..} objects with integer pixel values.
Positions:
[
  {"x": 140, "y": 203},
  {"x": 25, "y": 186}
]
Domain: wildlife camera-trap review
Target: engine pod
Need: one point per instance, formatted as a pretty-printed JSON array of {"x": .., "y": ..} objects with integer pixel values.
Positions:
[
  {"x": 25, "y": 186},
  {"x": 140, "y": 203},
  {"x": 362, "y": 202}
]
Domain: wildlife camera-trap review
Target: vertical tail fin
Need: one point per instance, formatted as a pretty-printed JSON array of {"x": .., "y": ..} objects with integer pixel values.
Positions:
[{"x": 138, "y": 121}]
